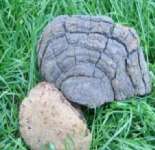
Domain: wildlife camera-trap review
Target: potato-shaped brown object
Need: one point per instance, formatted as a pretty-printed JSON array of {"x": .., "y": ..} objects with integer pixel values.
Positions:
[
  {"x": 47, "y": 118},
  {"x": 93, "y": 60}
]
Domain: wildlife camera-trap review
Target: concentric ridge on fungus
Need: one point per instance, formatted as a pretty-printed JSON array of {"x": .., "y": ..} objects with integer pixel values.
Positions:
[{"x": 93, "y": 60}]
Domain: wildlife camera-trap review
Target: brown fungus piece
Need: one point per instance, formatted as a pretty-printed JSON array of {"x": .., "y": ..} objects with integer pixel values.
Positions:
[{"x": 49, "y": 119}]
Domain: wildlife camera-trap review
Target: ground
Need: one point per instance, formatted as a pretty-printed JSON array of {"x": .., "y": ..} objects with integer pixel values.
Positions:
[{"x": 128, "y": 125}]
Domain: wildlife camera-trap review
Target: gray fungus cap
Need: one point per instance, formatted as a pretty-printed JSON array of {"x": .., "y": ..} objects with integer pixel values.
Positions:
[{"x": 92, "y": 60}]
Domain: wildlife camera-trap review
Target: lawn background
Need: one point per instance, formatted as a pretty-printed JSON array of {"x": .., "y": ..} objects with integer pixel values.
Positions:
[{"x": 126, "y": 125}]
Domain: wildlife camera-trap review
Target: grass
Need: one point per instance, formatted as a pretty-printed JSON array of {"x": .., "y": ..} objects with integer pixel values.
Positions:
[{"x": 126, "y": 125}]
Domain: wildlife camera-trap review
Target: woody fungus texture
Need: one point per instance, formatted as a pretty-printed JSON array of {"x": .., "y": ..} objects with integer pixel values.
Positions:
[
  {"x": 92, "y": 60},
  {"x": 48, "y": 119}
]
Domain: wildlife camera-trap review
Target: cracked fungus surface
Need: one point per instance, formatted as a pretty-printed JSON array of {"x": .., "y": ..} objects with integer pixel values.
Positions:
[{"x": 93, "y": 60}]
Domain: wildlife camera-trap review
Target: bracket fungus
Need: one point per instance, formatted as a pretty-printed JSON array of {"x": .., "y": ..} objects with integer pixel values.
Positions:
[
  {"x": 47, "y": 118},
  {"x": 93, "y": 60}
]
